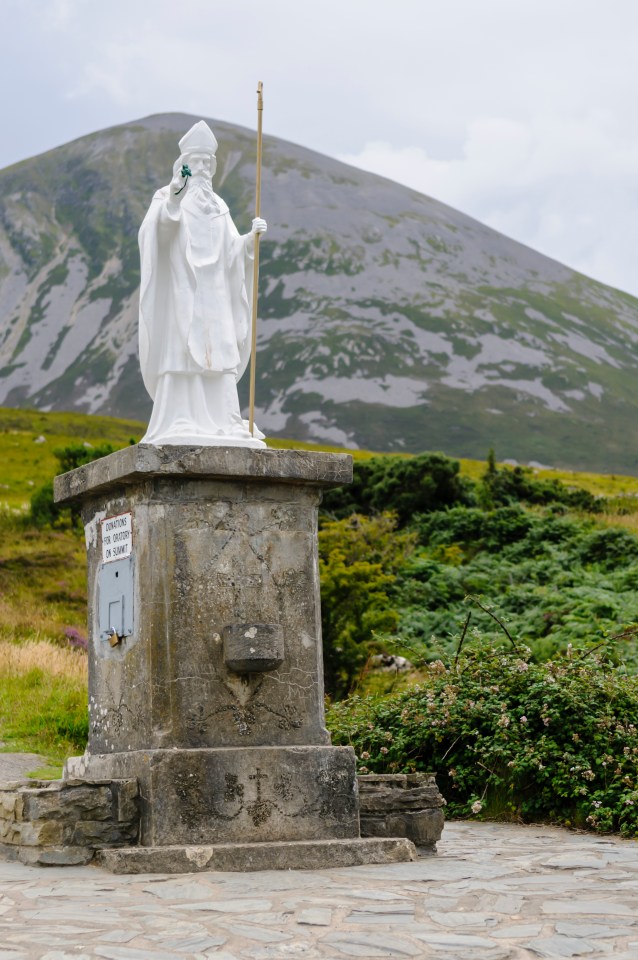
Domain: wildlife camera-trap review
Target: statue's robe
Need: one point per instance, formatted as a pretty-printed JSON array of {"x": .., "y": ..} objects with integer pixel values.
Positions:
[{"x": 194, "y": 330}]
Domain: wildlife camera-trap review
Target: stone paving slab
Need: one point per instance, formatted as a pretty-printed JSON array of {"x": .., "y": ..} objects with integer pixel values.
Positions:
[
  {"x": 16, "y": 766},
  {"x": 493, "y": 892}
]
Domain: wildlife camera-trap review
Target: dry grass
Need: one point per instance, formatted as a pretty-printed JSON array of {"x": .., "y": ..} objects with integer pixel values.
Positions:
[
  {"x": 42, "y": 583},
  {"x": 628, "y": 521},
  {"x": 39, "y": 655}
]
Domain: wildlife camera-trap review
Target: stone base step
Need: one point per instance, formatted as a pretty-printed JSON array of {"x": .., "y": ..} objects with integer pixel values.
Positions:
[{"x": 238, "y": 857}]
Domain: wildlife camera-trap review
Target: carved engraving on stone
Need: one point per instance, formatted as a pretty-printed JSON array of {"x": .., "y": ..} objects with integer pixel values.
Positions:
[
  {"x": 251, "y": 797},
  {"x": 283, "y": 787},
  {"x": 234, "y": 789},
  {"x": 245, "y": 714},
  {"x": 106, "y": 722},
  {"x": 260, "y": 810},
  {"x": 193, "y": 806},
  {"x": 333, "y": 784}
]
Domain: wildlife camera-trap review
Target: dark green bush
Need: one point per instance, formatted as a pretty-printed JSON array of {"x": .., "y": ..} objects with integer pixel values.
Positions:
[
  {"x": 501, "y": 487},
  {"x": 609, "y": 548},
  {"x": 44, "y": 511},
  {"x": 405, "y": 485},
  {"x": 475, "y": 528}
]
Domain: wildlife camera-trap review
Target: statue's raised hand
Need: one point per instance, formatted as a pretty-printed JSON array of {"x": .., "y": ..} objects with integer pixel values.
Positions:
[
  {"x": 179, "y": 184},
  {"x": 259, "y": 225}
]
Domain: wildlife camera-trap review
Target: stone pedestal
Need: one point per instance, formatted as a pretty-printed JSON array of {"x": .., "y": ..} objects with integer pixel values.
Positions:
[{"x": 205, "y": 669}]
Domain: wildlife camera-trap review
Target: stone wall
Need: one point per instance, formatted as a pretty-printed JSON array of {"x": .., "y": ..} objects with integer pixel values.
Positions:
[
  {"x": 402, "y": 805},
  {"x": 66, "y": 821}
]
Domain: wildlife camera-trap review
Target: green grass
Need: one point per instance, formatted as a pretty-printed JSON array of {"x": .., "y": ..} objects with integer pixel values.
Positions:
[
  {"x": 27, "y": 464},
  {"x": 43, "y": 700}
]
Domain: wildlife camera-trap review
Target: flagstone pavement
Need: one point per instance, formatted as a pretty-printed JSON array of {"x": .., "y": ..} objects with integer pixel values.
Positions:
[{"x": 493, "y": 892}]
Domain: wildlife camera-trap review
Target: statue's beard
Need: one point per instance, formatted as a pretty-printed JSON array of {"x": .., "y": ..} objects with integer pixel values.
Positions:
[{"x": 200, "y": 193}]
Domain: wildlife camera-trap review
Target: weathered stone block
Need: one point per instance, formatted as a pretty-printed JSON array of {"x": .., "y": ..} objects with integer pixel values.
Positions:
[
  {"x": 300, "y": 855},
  {"x": 387, "y": 799},
  {"x": 423, "y": 827},
  {"x": 101, "y": 833},
  {"x": 126, "y": 796},
  {"x": 402, "y": 805},
  {"x": 63, "y": 856},
  {"x": 68, "y": 802},
  {"x": 52, "y": 822},
  {"x": 35, "y": 833},
  {"x": 253, "y": 648},
  {"x": 136, "y": 463},
  {"x": 11, "y": 804}
]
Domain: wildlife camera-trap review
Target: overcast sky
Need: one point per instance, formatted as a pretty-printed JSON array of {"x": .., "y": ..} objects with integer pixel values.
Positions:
[{"x": 522, "y": 113}]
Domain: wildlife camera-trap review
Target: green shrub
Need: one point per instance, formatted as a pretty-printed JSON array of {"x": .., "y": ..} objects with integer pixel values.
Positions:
[
  {"x": 556, "y": 741},
  {"x": 358, "y": 561},
  {"x": 404, "y": 485},
  {"x": 519, "y": 485},
  {"x": 432, "y": 481},
  {"x": 609, "y": 548},
  {"x": 44, "y": 511},
  {"x": 77, "y": 454},
  {"x": 556, "y": 579}
]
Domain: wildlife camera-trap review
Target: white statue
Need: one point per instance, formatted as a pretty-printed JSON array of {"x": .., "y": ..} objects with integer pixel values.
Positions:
[{"x": 195, "y": 305}]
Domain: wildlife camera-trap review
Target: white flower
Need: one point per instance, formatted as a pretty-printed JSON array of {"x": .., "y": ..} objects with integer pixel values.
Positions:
[
  {"x": 523, "y": 719},
  {"x": 477, "y": 806}
]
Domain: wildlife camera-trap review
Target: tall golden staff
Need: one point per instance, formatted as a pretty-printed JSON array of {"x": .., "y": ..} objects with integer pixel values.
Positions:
[{"x": 253, "y": 353}]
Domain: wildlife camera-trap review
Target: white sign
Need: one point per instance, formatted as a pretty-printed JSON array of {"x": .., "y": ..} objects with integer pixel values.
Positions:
[{"x": 117, "y": 537}]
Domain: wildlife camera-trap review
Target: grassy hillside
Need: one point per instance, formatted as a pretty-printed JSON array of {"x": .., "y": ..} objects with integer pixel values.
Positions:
[
  {"x": 27, "y": 461},
  {"x": 43, "y": 580},
  {"x": 28, "y": 439}
]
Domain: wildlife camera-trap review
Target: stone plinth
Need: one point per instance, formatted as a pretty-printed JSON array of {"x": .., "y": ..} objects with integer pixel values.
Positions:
[
  {"x": 236, "y": 857},
  {"x": 402, "y": 805},
  {"x": 205, "y": 661},
  {"x": 248, "y": 794}
]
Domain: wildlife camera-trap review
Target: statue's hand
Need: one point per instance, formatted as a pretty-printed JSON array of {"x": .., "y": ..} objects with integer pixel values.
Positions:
[
  {"x": 259, "y": 225},
  {"x": 178, "y": 188}
]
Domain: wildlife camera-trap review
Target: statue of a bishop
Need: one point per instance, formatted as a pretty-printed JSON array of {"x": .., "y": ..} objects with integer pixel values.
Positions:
[{"x": 195, "y": 305}]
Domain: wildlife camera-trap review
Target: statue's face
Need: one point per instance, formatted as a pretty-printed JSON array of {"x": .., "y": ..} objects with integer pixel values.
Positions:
[{"x": 202, "y": 164}]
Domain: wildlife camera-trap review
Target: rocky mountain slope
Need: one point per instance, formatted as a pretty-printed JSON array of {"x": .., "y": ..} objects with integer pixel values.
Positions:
[{"x": 387, "y": 320}]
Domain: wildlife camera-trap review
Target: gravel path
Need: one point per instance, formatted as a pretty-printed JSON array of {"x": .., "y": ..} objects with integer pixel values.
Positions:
[{"x": 15, "y": 766}]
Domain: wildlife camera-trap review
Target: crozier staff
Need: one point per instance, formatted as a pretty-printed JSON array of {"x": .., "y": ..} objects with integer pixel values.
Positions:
[
  {"x": 195, "y": 305},
  {"x": 253, "y": 353}
]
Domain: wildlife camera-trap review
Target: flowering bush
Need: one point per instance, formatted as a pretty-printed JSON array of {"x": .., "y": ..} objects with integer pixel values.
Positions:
[{"x": 554, "y": 741}]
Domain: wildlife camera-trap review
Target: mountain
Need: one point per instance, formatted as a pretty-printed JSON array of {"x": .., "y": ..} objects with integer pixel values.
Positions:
[{"x": 387, "y": 319}]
